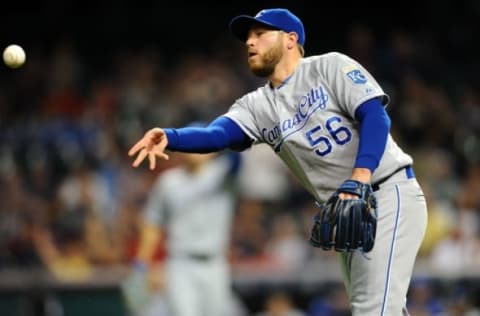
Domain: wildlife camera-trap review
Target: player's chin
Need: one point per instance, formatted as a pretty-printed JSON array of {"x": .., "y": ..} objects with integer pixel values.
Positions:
[
  {"x": 259, "y": 70},
  {"x": 253, "y": 62}
]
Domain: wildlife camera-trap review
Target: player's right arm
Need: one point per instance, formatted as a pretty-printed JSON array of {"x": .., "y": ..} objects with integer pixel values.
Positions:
[{"x": 221, "y": 134}]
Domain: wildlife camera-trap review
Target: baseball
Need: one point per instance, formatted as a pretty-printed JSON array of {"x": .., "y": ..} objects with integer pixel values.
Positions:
[{"x": 14, "y": 56}]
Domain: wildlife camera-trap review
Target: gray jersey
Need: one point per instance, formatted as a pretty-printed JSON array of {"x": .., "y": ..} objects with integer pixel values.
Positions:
[
  {"x": 311, "y": 115},
  {"x": 195, "y": 209}
]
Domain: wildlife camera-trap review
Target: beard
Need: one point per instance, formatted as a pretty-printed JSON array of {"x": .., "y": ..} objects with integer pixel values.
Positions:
[{"x": 268, "y": 62}]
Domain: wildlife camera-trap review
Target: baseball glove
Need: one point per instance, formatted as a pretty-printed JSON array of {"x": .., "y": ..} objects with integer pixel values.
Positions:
[{"x": 348, "y": 224}]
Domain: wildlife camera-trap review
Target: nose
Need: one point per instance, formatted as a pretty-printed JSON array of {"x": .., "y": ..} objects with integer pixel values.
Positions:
[{"x": 250, "y": 42}]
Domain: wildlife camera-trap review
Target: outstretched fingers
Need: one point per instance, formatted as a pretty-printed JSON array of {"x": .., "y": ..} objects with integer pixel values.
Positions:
[
  {"x": 141, "y": 156},
  {"x": 152, "y": 144},
  {"x": 152, "y": 159},
  {"x": 139, "y": 145},
  {"x": 160, "y": 150}
]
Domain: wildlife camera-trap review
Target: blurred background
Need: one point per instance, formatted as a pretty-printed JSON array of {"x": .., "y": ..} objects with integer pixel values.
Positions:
[{"x": 98, "y": 75}]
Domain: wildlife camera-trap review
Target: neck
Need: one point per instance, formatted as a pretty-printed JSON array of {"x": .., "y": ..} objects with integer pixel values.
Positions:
[{"x": 283, "y": 70}]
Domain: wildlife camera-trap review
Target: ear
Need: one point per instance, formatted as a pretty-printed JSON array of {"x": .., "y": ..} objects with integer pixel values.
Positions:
[{"x": 292, "y": 40}]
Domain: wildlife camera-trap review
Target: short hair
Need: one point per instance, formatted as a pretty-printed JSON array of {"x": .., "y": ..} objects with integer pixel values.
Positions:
[{"x": 301, "y": 49}]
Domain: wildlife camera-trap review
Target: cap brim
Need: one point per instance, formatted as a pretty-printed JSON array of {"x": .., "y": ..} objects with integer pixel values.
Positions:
[{"x": 240, "y": 26}]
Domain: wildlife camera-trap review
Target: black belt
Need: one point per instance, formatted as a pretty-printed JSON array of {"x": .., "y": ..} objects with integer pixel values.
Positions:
[
  {"x": 408, "y": 172},
  {"x": 200, "y": 257}
]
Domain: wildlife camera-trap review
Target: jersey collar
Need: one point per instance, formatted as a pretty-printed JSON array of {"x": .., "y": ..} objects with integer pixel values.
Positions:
[{"x": 284, "y": 82}]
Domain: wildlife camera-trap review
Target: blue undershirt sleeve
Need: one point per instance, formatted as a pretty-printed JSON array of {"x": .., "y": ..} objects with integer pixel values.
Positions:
[
  {"x": 374, "y": 129},
  {"x": 220, "y": 134}
]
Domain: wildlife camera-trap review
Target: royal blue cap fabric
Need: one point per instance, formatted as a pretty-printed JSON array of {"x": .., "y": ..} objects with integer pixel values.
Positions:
[{"x": 281, "y": 19}]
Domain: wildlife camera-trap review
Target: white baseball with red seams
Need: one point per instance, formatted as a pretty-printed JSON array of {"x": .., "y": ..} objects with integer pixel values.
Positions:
[{"x": 14, "y": 56}]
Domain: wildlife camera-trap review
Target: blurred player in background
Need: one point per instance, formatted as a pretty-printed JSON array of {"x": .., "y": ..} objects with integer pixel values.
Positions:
[
  {"x": 193, "y": 205},
  {"x": 324, "y": 116}
]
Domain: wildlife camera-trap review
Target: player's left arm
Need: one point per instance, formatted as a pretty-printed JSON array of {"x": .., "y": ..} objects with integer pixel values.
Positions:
[{"x": 374, "y": 129}]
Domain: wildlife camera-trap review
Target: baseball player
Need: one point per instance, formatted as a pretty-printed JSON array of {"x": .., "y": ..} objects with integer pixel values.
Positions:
[
  {"x": 325, "y": 117},
  {"x": 193, "y": 205}
]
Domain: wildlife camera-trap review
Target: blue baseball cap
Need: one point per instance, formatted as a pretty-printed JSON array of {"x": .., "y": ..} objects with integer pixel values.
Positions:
[{"x": 280, "y": 19}]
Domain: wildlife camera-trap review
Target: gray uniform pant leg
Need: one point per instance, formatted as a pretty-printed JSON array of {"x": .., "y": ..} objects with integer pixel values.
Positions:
[
  {"x": 197, "y": 288},
  {"x": 377, "y": 282}
]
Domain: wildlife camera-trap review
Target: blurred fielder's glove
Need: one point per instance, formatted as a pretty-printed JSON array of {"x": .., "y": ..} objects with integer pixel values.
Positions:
[{"x": 349, "y": 224}]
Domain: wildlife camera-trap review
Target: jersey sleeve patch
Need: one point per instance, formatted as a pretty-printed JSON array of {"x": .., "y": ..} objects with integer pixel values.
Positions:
[
  {"x": 357, "y": 77},
  {"x": 354, "y": 74}
]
